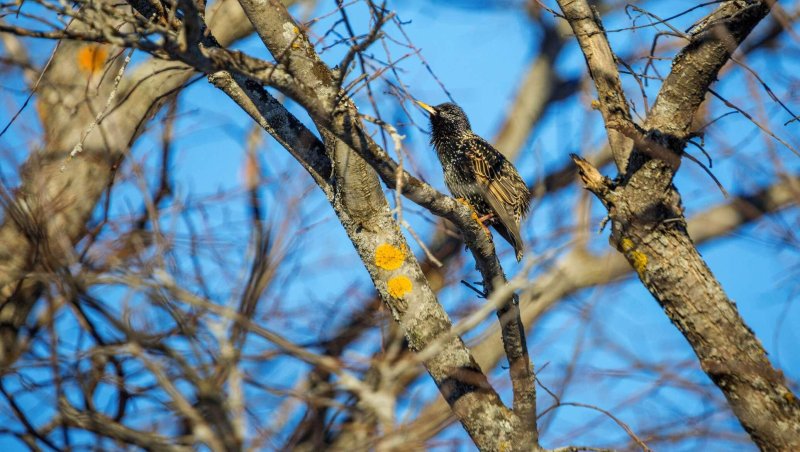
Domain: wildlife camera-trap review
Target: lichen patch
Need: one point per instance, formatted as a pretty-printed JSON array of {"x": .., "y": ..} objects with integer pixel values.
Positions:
[
  {"x": 637, "y": 258},
  {"x": 399, "y": 286},
  {"x": 389, "y": 257},
  {"x": 626, "y": 244},
  {"x": 91, "y": 58},
  {"x": 639, "y": 261}
]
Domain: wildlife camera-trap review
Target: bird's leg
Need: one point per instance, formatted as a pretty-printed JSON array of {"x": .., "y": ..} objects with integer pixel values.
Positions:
[{"x": 475, "y": 216}]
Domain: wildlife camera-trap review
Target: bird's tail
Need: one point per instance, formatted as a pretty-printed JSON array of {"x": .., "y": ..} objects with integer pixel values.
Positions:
[{"x": 512, "y": 236}]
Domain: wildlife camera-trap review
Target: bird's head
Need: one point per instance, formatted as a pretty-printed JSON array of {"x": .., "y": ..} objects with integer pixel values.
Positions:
[{"x": 446, "y": 119}]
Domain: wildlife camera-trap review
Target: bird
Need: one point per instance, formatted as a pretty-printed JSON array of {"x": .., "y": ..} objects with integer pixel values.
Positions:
[{"x": 478, "y": 173}]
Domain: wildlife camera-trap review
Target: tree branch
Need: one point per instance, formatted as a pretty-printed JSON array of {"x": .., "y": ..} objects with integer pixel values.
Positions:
[
  {"x": 602, "y": 65},
  {"x": 403, "y": 289},
  {"x": 53, "y": 206},
  {"x": 579, "y": 270},
  {"x": 649, "y": 229}
]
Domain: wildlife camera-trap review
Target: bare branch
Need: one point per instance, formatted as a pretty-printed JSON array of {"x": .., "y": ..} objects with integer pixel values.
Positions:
[{"x": 648, "y": 226}]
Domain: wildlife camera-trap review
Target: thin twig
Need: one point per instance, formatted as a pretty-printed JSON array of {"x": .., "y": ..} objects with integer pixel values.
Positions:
[
  {"x": 33, "y": 90},
  {"x": 79, "y": 146}
]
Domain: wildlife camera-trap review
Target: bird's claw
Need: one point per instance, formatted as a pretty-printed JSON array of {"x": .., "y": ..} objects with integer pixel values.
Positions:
[{"x": 475, "y": 216}]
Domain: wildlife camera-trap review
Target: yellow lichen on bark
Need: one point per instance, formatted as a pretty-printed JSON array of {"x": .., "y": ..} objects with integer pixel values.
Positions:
[
  {"x": 637, "y": 258},
  {"x": 639, "y": 261},
  {"x": 626, "y": 244},
  {"x": 389, "y": 257},
  {"x": 399, "y": 286},
  {"x": 91, "y": 58}
]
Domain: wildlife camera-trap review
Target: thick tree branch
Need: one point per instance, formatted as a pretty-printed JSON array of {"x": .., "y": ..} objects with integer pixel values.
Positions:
[
  {"x": 695, "y": 68},
  {"x": 466, "y": 389},
  {"x": 602, "y": 65},
  {"x": 320, "y": 96},
  {"x": 366, "y": 217},
  {"x": 579, "y": 270},
  {"x": 649, "y": 229}
]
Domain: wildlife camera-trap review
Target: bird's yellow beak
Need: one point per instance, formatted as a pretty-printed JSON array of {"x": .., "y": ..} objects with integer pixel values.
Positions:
[{"x": 426, "y": 107}]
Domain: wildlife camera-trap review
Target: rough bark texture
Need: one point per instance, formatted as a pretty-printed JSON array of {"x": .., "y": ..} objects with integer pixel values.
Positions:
[
  {"x": 649, "y": 229},
  {"x": 669, "y": 265},
  {"x": 355, "y": 195},
  {"x": 365, "y": 215},
  {"x": 579, "y": 270},
  {"x": 539, "y": 87},
  {"x": 47, "y": 215}
]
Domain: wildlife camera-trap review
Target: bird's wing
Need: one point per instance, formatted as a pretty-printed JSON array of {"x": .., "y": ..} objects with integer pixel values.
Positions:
[{"x": 497, "y": 190}]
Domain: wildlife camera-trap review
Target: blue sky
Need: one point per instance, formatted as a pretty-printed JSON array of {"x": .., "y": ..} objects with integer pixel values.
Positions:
[{"x": 479, "y": 55}]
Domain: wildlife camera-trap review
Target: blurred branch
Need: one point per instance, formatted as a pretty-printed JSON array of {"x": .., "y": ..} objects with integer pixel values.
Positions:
[
  {"x": 55, "y": 206},
  {"x": 539, "y": 87},
  {"x": 95, "y": 422}
]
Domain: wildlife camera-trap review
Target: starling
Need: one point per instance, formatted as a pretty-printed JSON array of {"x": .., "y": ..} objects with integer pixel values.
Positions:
[{"x": 478, "y": 173}]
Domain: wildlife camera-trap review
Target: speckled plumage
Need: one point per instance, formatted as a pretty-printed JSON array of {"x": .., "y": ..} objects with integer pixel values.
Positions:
[{"x": 478, "y": 173}]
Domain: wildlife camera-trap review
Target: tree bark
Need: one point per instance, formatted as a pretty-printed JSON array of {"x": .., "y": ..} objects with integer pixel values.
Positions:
[
  {"x": 313, "y": 86},
  {"x": 648, "y": 226}
]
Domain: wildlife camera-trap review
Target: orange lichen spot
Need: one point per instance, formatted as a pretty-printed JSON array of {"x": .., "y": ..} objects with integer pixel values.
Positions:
[
  {"x": 389, "y": 257},
  {"x": 399, "y": 286},
  {"x": 91, "y": 58}
]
